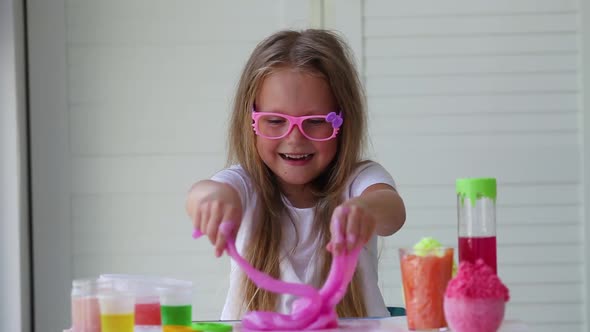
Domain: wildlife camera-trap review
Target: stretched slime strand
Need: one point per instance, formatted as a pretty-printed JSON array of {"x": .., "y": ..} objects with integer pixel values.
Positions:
[
  {"x": 271, "y": 320},
  {"x": 313, "y": 309}
]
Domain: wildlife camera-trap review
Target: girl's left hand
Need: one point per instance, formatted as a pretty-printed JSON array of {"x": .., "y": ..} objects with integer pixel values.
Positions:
[{"x": 357, "y": 226}]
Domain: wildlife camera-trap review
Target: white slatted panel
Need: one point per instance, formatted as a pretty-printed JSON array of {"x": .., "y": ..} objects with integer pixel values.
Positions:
[
  {"x": 484, "y": 88},
  {"x": 150, "y": 85}
]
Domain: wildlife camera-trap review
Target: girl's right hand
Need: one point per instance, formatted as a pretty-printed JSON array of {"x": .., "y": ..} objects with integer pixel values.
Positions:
[{"x": 209, "y": 214}]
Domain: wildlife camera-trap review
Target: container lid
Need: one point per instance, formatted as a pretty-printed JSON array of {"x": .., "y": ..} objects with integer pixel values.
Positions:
[
  {"x": 148, "y": 279},
  {"x": 144, "y": 286},
  {"x": 475, "y": 188},
  {"x": 88, "y": 287}
]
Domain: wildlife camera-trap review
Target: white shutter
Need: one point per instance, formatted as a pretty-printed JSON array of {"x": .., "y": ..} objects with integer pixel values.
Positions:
[
  {"x": 130, "y": 101},
  {"x": 481, "y": 88}
]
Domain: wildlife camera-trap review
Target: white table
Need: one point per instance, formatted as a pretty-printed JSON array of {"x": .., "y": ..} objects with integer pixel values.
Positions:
[{"x": 393, "y": 324}]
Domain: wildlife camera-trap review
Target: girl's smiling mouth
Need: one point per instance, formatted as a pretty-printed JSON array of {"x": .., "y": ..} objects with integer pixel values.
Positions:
[{"x": 297, "y": 157}]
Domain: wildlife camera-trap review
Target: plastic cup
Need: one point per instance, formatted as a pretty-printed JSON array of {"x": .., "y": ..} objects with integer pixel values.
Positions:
[
  {"x": 85, "y": 308},
  {"x": 144, "y": 289},
  {"x": 116, "y": 311},
  {"x": 424, "y": 277},
  {"x": 176, "y": 307},
  {"x": 147, "y": 291},
  {"x": 147, "y": 311}
]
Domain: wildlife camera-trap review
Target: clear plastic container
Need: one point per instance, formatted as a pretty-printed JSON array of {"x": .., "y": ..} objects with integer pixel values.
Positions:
[
  {"x": 424, "y": 277},
  {"x": 176, "y": 306},
  {"x": 144, "y": 289},
  {"x": 85, "y": 307},
  {"x": 476, "y": 213},
  {"x": 149, "y": 292},
  {"x": 117, "y": 310}
]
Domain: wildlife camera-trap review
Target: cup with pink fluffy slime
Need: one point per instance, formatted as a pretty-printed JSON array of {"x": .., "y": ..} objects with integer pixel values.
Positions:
[{"x": 475, "y": 299}]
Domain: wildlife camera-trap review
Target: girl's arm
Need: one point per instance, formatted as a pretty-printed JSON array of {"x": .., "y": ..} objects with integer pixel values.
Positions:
[
  {"x": 386, "y": 206},
  {"x": 208, "y": 204}
]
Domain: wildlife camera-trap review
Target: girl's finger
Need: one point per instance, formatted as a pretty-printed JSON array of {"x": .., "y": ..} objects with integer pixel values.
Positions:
[
  {"x": 216, "y": 214},
  {"x": 353, "y": 228},
  {"x": 205, "y": 213},
  {"x": 222, "y": 214},
  {"x": 329, "y": 246},
  {"x": 212, "y": 231},
  {"x": 339, "y": 213},
  {"x": 367, "y": 229},
  {"x": 338, "y": 227},
  {"x": 220, "y": 244},
  {"x": 197, "y": 220}
]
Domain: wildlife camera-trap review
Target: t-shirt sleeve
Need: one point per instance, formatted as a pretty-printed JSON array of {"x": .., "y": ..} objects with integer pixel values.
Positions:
[
  {"x": 236, "y": 177},
  {"x": 368, "y": 174}
]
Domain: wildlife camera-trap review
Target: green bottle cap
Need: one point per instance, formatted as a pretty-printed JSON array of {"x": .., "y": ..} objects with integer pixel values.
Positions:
[{"x": 474, "y": 188}]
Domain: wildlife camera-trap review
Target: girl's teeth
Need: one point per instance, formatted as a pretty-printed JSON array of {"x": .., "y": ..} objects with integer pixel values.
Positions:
[{"x": 296, "y": 156}]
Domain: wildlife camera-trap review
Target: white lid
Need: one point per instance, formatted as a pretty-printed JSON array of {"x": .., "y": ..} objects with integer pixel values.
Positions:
[
  {"x": 151, "y": 279},
  {"x": 175, "y": 296},
  {"x": 146, "y": 288},
  {"x": 88, "y": 287}
]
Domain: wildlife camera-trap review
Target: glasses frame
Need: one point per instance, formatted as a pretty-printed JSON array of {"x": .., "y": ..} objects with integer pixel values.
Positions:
[{"x": 334, "y": 118}]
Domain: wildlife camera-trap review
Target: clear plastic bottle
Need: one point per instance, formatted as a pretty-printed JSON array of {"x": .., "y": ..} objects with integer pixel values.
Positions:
[
  {"x": 85, "y": 308},
  {"x": 476, "y": 212}
]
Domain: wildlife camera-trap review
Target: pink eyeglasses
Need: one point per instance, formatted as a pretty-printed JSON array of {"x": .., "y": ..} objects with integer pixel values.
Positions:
[{"x": 314, "y": 127}]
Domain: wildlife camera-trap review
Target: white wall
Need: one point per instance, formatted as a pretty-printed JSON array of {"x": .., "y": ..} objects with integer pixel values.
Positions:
[
  {"x": 15, "y": 313},
  {"x": 482, "y": 88},
  {"x": 129, "y": 102},
  {"x": 128, "y": 107}
]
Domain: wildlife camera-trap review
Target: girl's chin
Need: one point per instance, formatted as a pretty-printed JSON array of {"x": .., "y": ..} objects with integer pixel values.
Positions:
[{"x": 294, "y": 180}]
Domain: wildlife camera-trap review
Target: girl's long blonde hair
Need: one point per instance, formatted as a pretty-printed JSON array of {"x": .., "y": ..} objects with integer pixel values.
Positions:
[{"x": 318, "y": 52}]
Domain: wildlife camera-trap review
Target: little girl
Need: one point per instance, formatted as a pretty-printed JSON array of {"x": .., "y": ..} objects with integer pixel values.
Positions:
[{"x": 296, "y": 137}]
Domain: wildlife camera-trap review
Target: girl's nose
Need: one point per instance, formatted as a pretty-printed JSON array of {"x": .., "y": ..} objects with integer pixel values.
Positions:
[{"x": 295, "y": 134}]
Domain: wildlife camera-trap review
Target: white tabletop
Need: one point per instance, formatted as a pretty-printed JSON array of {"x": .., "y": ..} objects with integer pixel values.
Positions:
[{"x": 396, "y": 324}]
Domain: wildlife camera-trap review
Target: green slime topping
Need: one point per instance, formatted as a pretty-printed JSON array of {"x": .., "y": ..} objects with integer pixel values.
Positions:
[
  {"x": 426, "y": 245},
  {"x": 429, "y": 244}
]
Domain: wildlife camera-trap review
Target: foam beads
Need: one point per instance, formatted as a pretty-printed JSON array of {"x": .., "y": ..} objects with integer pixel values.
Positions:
[
  {"x": 314, "y": 309},
  {"x": 427, "y": 245}
]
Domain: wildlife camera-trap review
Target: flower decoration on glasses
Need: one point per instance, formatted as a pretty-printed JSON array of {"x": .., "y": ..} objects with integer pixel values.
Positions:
[
  {"x": 314, "y": 127},
  {"x": 335, "y": 119}
]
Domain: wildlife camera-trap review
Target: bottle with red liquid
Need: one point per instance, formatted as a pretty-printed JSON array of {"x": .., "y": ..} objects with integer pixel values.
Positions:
[{"x": 476, "y": 212}]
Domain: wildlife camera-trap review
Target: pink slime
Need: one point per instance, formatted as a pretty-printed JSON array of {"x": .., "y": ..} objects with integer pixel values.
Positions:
[{"x": 314, "y": 309}]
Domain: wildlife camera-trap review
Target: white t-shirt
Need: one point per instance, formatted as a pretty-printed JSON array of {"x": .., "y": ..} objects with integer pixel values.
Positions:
[{"x": 296, "y": 266}]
